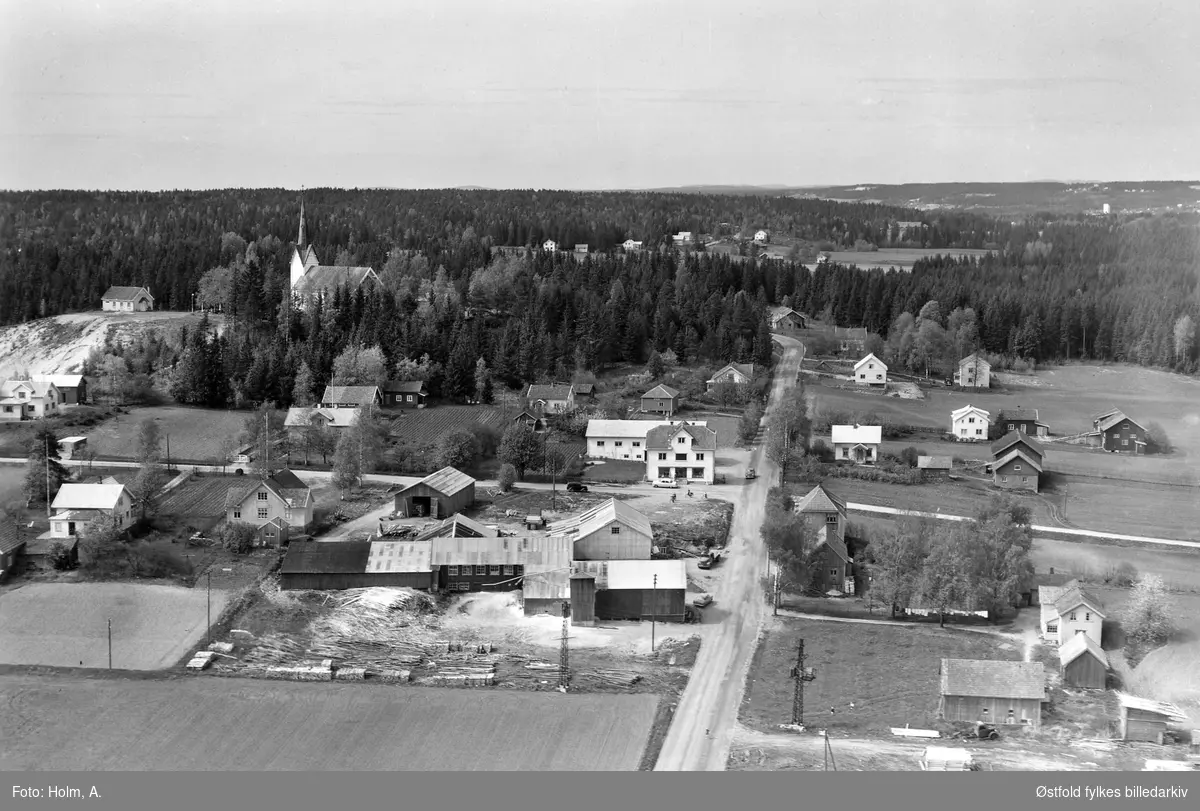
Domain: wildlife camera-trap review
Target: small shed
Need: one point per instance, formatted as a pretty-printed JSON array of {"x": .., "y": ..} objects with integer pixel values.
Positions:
[
  {"x": 1084, "y": 663},
  {"x": 11, "y": 546},
  {"x": 639, "y": 589},
  {"x": 325, "y": 565},
  {"x": 933, "y": 468},
  {"x": 992, "y": 691},
  {"x": 274, "y": 533},
  {"x": 438, "y": 495},
  {"x": 72, "y": 447},
  {"x": 946, "y": 759},
  {"x": 1146, "y": 720},
  {"x": 583, "y": 598}
]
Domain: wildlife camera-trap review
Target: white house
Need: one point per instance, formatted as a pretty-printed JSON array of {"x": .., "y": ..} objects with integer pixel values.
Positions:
[
  {"x": 740, "y": 374},
  {"x": 870, "y": 371},
  {"x": 682, "y": 238},
  {"x": 970, "y": 423},
  {"x": 762, "y": 236},
  {"x": 973, "y": 372},
  {"x": 28, "y": 400},
  {"x": 549, "y": 246},
  {"x": 77, "y": 505},
  {"x": 681, "y": 451},
  {"x": 622, "y": 439},
  {"x": 1068, "y": 610},
  {"x": 857, "y": 443},
  {"x": 127, "y": 300},
  {"x": 265, "y": 503},
  {"x": 631, "y": 245}
]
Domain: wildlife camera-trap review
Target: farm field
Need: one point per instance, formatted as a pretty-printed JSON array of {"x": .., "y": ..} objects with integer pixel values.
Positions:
[
  {"x": 890, "y": 674},
  {"x": 197, "y": 435},
  {"x": 902, "y": 258},
  {"x": 1178, "y": 568},
  {"x": 427, "y": 424},
  {"x": 209, "y": 723},
  {"x": 63, "y": 624},
  {"x": 12, "y": 478}
]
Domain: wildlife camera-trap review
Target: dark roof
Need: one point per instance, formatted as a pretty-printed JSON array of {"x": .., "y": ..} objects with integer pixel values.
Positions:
[
  {"x": 831, "y": 540},
  {"x": 660, "y": 391},
  {"x": 361, "y": 395},
  {"x": 1018, "y": 452},
  {"x": 746, "y": 369},
  {"x": 404, "y": 386},
  {"x": 125, "y": 294},
  {"x": 820, "y": 500},
  {"x": 326, "y": 557},
  {"x": 935, "y": 462},
  {"x": 988, "y": 678},
  {"x": 324, "y": 278},
  {"x": 1018, "y": 415},
  {"x": 287, "y": 480},
  {"x": 1012, "y": 438},
  {"x": 584, "y": 388},
  {"x": 1075, "y": 595},
  {"x": 1106, "y": 421},
  {"x": 10, "y": 537},
  {"x": 703, "y": 438},
  {"x": 553, "y": 392},
  {"x": 284, "y": 484}
]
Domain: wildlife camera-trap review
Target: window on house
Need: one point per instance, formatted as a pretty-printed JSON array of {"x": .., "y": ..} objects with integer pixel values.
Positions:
[
  {"x": 697, "y": 473},
  {"x": 681, "y": 440},
  {"x": 970, "y": 419},
  {"x": 664, "y": 473},
  {"x": 599, "y": 443},
  {"x": 870, "y": 365},
  {"x": 1125, "y": 427},
  {"x": 518, "y": 570},
  {"x": 862, "y": 376},
  {"x": 452, "y": 571},
  {"x": 1016, "y": 467},
  {"x": 831, "y": 518},
  {"x": 1072, "y": 617},
  {"x": 262, "y": 495},
  {"x": 615, "y": 530},
  {"x": 494, "y": 570},
  {"x": 508, "y": 570},
  {"x": 699, "y": 457},
  {"x": 1087, "y": 617},
  {"x": 1010, "y": 426},
  {"x": 1024, "y": 480},
  {"x": 618, "y": 443},
  {"x": 662, "y": 457},
  {"x": 1052, "y": 628},
  {"x": 846, "y": 453},
  {"x": 833, "y": 572},
  {"x": 237, "y": 513},
  {"x": 978, "y": 432},
  {"x": 1003, "y": 478},
  {"x": 637, "y": 444},
  {"x": 1124, "y": 442},
  {"x": 262, "y": 512}
]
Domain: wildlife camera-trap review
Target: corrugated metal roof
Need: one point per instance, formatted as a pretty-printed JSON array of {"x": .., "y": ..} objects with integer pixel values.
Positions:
[
  {"x": 1079, "y": 644},
  {"x": 819, "y": 500},
  {"x": 935, "y": 462},
  {"x": 504, "y": 551},
  {"x": 458, "y": 526},
  {"x": 993, "y": 678},
  {"x": 399, "y": 556},
  {"x": 549, "y": 579},
  {"x": 857, "y": 434},
  {"x": 1147, "y": 705},
  {"x": 625, "y": 575},
  {"x": 74, "y": 496},
  {"x": 362, "y": 395},
  {"x": 595, "y": 518},
  {"x": 446, "y": 481},
  {"x": 326, "y": 557}
]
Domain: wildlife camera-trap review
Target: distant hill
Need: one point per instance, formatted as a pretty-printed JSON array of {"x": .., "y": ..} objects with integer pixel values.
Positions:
[{"x": 1020, "y": 198}]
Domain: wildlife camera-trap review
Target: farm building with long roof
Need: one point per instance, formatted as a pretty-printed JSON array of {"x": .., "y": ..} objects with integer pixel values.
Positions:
[
  {"x": 993, "y": 691},
  {"x": 438, "y": 495}
]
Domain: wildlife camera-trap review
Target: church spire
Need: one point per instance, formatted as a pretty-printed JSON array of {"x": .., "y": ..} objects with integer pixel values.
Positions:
[{"x": 300, "y": 241}]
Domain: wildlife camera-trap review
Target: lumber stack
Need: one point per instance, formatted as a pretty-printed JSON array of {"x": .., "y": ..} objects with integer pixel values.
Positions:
[
  {"x": 201, "y": 660},
  {"x": 318, "y": 672}
]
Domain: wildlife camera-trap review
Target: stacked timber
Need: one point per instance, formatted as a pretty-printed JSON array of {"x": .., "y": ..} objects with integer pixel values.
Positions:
[{"x": 201, "y": 660}]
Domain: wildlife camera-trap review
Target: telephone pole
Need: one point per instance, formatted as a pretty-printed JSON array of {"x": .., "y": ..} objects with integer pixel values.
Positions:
[
  {"x": 653, "y": 611},
  {"x": 800, "y": 674},
  {"x": 46, "y": 442},
  {"x": 564, "y": 672}
]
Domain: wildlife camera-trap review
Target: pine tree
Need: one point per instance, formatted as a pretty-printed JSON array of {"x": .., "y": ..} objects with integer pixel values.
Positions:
[
  {"x": 43, "y": 463},
  {"x": 302, "y": 388}
]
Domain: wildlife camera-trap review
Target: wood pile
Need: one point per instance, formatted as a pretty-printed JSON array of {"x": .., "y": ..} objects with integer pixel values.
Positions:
[
  {"x": 222, "y": 647},
  {"x": 318, "y": 672},
  {"x": 607, "y": 678},
  {"x": 201, "y": 660}
]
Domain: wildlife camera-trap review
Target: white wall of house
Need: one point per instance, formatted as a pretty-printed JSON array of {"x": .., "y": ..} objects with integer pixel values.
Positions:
[
  {"x": 617, "y": 448},
  {"x": 1081, "y": 619},
  {"x": 681, "y": 461},
  {"x": 970, "y": 426},
  {"x": 844, "y": 451},
  {"x": 262, "y": 506}
]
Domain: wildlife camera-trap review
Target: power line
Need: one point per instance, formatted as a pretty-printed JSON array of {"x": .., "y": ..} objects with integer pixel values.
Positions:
[{"x": 800, "y": 674}]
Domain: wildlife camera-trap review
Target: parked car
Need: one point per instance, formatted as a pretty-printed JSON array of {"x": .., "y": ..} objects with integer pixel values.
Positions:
[
  {"x": 750, "y": 474},
  {"x": 668, "y": 483},
  {"x": 576, "y": 487},
  {"x": 703, "y": 600}
]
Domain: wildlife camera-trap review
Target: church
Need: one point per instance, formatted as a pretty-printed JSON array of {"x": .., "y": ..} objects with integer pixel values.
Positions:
[{"x": 312, "y": 279}]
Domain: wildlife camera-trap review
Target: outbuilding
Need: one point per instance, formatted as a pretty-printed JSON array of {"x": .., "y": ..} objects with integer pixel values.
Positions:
[
  {"x": 325, "y": 565},
  {"x": 11, "y": 547},
  {"x": 934, "y": 468},
  {"x": 611, "y": 530},
  {"x": 439, "y": 495},
  {"x": 1084, "y": 663},
  {"x": 992, "y": 691},
  {"x": 639, "y": 589},
  {"x": 1146, "y": 720}
]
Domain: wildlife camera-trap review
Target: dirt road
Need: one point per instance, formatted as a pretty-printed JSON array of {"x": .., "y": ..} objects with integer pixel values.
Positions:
[{"x": 706, "y": 718}]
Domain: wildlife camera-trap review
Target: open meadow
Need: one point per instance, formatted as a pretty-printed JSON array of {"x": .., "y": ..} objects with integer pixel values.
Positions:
[
  {"x": 210, "y": 723},
  {"x": 196, "y": 435},
  {"x": 899, "y": 258},
  {"x": 65, "y": 624}
]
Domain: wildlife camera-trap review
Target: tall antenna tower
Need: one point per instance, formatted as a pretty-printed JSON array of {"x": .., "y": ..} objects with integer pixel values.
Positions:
[
  {"x": 800, "y": 674},
  {"x": 564, "y": 670}
]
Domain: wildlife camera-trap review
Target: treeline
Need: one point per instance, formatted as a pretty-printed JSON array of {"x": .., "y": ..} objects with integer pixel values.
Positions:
[{"x": 62, "y": 249}]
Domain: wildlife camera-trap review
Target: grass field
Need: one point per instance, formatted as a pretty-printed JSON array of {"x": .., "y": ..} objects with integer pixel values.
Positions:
[
  {"x": 63, "y": 624},
  {"x": 196, "y": 434},
  {"x": 902, "y": 258},
  {"x": 208, "y": 723},
  {"x": 11, "y": 479},
  {"x": 889, "y": 674},
  {"x": 426, "y": 425}
]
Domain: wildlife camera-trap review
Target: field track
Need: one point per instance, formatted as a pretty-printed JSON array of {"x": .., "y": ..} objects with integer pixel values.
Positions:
[{"x": 211, "y": 723}]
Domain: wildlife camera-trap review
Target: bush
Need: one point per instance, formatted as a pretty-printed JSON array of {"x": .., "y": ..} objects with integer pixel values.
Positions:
[
  {"x": 146, "y": 560},
  {"x": 821, "y": 450},
  {"x": 1125, "y": 575},
  {"x": 60, "y": 557},
  {"x": 909, "y": 456},
  {"x": 1146, "y": 618},
  {"x": 507, "y": 477},
  {"x": 237, "y": 538},
  {"x": 1158, "y": 438}
]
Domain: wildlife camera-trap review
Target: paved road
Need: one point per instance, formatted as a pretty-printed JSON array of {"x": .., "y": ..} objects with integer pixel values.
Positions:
[{"x": 714, "y": 692}]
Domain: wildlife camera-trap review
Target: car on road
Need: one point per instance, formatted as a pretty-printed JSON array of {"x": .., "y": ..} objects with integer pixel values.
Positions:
[
  {"x": 668, "y": 483},
  {"x": 703, "y": 601},
  {"x": 750, "y": 474},
  {"x": 576, "y": 487}
]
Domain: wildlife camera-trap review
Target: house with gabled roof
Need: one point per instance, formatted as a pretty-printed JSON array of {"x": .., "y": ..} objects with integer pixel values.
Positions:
[
  {"x": 1017, "y": 462},
  {"x": 1116, "y": 432},
  {"x": 682, "y": 450},
  {"x": 870, "y": 371},
  {"x": 1024, "y": 420},
  {"x": 973, "y": 372},
  {"x": 351, "y": 397},
  {"x": 661, "y": 399},
  {"x": 404, "y": 393},
  {"x": 935, "y": 467},
  {"x": 820, "y": 508},
  {"x": 1083, "y": 663},
  {"x": 970, "y": 424},
  {"x": 77, "y": 505},
  {"x": 277, "y": 506},
  {"x": 127, "y": 300},
  {"x": 28, "y": 400},
  {"x": 829, "y": 564},
  {"x": 740, "y": 374},
  {"x": 992, "y": 691},
  {"x": 531, "y": 421},
  {"x": 1068, "y": 610},
  {"x": 611, "y": 530},
  {"x": 850, "y": 340},
  {"x": 622, "y": 439},
  {"x": 632, "y": 245},
  {"x": 856, "y": 443},
  {"x": 549, "y": 246},
  {"x": 785, "y": 318},
  {"x": 12, "y": 544},
  {"x": 555, "y": 398},
  {"x": 438, "y": 495},
  {"x": 72, "y": 389}
]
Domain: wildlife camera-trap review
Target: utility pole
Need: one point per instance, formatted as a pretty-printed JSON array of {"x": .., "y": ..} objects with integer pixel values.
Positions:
[
  {"x": 564, "y": 672},
  {"x": 208, "y": 607},
  {"x": 800, "y": 674},
  {"x": 267, "y": 445},
  {"x": 168, "y": 436},
  {"x": 653, "y": 611},
  {"x": 46, "y": 442},
  {"x": 110, "y": 643}
]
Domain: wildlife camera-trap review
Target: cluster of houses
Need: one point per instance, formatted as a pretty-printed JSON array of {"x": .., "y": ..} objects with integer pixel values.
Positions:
[
  {"x": 681, "y": 239},
  {"x": 40, "y": 396},
  {"x": 598, "y": 561}
]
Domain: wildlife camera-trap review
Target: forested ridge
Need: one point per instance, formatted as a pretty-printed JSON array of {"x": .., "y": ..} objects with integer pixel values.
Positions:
[{"x": 1101, "y": 289}]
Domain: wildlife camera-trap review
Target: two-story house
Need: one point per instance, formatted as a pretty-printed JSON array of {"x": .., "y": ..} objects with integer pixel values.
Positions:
[
  {"x": 740, "y": 374},
  {"x": 351, "y": 397},
  {"x": 661, "y": 400},
  {"x": 557, "y": 398},
  {"x": 28, "y": 400},
  {"x": 970, "y": 424},
  {"x": 622, "y": 439},
  {"x": 1024, "y": 420},
  {"x": 1118, "y": 433},
  {"x": 681, "y": 451},
  {"x": 870, "y": 371},
  {"x": 1068, "y": 610},
  {"x": 785, "y": 318},
  {"x": 72, "y": 389},
  {"x": 632, "y": 245},
  {"x": 77, "y": 505},
  {"x": 1017, "y": 462},
  {"x": 973, "y": 372},
  {"x": 276, "y": 506},
  {"x": 404, "y": 393},
  {"x": 549, "y": 246},
  {"x": 611, "y": 530},
  {"x": 830, "y": 565}
]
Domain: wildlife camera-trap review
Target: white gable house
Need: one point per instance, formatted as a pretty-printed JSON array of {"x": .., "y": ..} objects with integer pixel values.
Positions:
[
  {"x": 870, "y": 371},
  {"x": 681, "y": 451},
  {"x": 970, "y": 424},
  {"x": 857, "y": 443},
  {"x": 621, "y": 439}
]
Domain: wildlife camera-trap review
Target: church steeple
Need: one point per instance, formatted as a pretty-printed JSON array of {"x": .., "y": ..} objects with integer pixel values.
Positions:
[{"x": 300, "y": 240}]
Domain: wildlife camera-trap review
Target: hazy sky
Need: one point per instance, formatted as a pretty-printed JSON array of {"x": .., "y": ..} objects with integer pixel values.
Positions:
[{"x": 594, "y": 94}]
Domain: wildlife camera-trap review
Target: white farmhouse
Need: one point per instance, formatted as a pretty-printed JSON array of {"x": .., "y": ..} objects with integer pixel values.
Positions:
[
  {"x": 970, "y": 424},
  {"x": 1068, "y": 610},
  {"x": 870, "y": 371},
  {"x": 681, "y": 451},
  {"x": 76, "y": 505},
  {"x": 622, "y": 439},
  {"x": 549, "y": 246},
  {"x": 857, "y": 443}
]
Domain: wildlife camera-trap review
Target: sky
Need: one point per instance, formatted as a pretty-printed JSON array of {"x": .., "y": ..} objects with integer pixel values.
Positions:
[{"x": 592, "y": 94}]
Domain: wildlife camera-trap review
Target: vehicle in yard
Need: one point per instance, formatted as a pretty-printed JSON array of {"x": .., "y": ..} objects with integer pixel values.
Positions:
[
  {"x": 668, "y": 483},
  {"x": 750, "y": 474},
  {"x": 982, "y": 732},
  {"x": 703, "y": 601},
  {"x": 709, "y": 560},
  {"x": 576, "y": 487}
]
